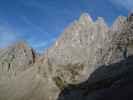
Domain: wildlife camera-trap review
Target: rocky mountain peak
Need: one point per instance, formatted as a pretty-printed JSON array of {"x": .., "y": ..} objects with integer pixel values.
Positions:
[
  {"x": 86, "y": 48},
  {"x": 101, "y": 21},
  {"x": 21, "y": 45},
  {"x": 118, "y": 24},
  {"x": 16, "y": 59},
  {"x": 89, "y": 37},
  {"x": 85, "y": 18}
]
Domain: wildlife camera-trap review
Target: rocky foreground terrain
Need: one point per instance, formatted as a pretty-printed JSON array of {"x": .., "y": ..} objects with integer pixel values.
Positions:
[{"x": 89, "y": 61}]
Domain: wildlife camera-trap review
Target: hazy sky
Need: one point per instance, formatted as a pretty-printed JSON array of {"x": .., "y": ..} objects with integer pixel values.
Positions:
[{"x": 40, "y": 22}]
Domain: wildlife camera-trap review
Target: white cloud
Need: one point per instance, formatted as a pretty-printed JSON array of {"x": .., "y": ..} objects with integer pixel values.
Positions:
[
  {"x": 127, "y": 4},
  {"x": 7, "y": 35},
  {"x": 30, "y": 23},
  {"x": 41, "y": 45},
  {"x": 7, "y": 38}
]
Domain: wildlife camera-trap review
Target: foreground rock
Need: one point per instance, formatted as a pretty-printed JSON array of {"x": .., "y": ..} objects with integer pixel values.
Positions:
[
  {"x": 112, "y": 82},
  {"x": 20, "y": 77},
  {"x": 77, "y": 56}
]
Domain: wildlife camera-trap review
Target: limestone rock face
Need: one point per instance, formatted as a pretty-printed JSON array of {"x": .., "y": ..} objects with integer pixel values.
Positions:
[
  {"x": 16, "y": 59},
  {"x": 121, "y": 40},
  {"x": 110, "y": 80},
  {"x": 20, "y": 78},
  {"x": 77, "y": 55},
  {"x": 78, "y": 48}
]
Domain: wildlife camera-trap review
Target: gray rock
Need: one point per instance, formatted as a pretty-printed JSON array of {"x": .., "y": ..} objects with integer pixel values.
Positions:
[
  {"x": 77, "y": 54},
  {"x": 16, "y": 59},
  {"x": 78, "y": 48}
]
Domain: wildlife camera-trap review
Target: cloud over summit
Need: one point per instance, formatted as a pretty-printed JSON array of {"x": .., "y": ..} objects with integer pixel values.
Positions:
[{"x": 127, "y": 4}]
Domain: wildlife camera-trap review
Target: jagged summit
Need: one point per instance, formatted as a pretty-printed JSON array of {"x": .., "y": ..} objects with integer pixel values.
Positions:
[
  {"x": 21, "y": 45},
  {"x": 82, "y": 48},
  {"x": 85, "y": 18},
  {"x": 101, "y": 22},
  {"x": 118, "y": 23},
  {"x": 80, "y": 44},
  {"x": 15, "y": 59}
]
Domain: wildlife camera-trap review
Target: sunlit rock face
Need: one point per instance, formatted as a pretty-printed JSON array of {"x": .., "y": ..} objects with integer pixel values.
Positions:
[
  {"x": 16, "y": 59},
  {"x": 82, "y": 48},
  {"x": 79, "y": 47},
  {"x": 20, "y": 78}
]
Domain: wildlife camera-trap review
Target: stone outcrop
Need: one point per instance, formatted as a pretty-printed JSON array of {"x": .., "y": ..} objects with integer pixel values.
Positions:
[
  {"x": 86, "y": 50},
  {"x": 15, "y": 59},
  {"x": 78, "y": 47},
  {"x": 112, "y": 82}
]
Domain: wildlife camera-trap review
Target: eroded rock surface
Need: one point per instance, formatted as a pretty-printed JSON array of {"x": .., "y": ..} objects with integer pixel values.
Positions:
[
  {"x": 79, "y": 52},
  {"x": 15, "y": 59}
]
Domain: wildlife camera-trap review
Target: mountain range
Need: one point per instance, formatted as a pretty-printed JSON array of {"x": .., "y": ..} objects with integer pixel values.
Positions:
[{"x": 89, "y": 61}]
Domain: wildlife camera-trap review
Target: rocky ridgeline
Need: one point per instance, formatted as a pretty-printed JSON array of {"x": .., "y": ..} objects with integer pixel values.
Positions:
[
  {"x": 78, "y": 54},
  {"x": 16, "y": 59}
]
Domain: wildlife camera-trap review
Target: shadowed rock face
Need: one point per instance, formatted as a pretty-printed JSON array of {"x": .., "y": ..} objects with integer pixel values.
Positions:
[
  {"x": 76, "y": 56},
  {"x": 112, "y": 82}
]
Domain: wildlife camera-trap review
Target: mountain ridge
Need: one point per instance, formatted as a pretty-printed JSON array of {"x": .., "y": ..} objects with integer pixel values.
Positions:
[{"x": 82, "y": 48}]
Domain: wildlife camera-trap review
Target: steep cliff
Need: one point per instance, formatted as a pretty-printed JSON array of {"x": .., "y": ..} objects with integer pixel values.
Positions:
[{"x": 86, "y": 50}]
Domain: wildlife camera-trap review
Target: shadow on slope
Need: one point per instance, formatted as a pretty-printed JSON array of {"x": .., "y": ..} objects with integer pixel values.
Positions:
[{"x": 112, "y": 82}]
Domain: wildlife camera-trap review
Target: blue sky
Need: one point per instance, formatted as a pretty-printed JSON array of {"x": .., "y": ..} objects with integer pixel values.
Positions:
[{"x": 40, "y": 22}]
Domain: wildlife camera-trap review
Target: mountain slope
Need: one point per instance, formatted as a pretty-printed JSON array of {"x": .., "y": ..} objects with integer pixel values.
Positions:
[{"x": 77, "y": 55}]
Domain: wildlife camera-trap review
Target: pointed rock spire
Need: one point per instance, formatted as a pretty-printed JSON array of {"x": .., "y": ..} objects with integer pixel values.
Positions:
[
  {"x": 22, "y": 45},
  {"x": 118, "y": 24},
  {"x": 85, "y": 18},
  {"x": 101, "y": 22}
]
